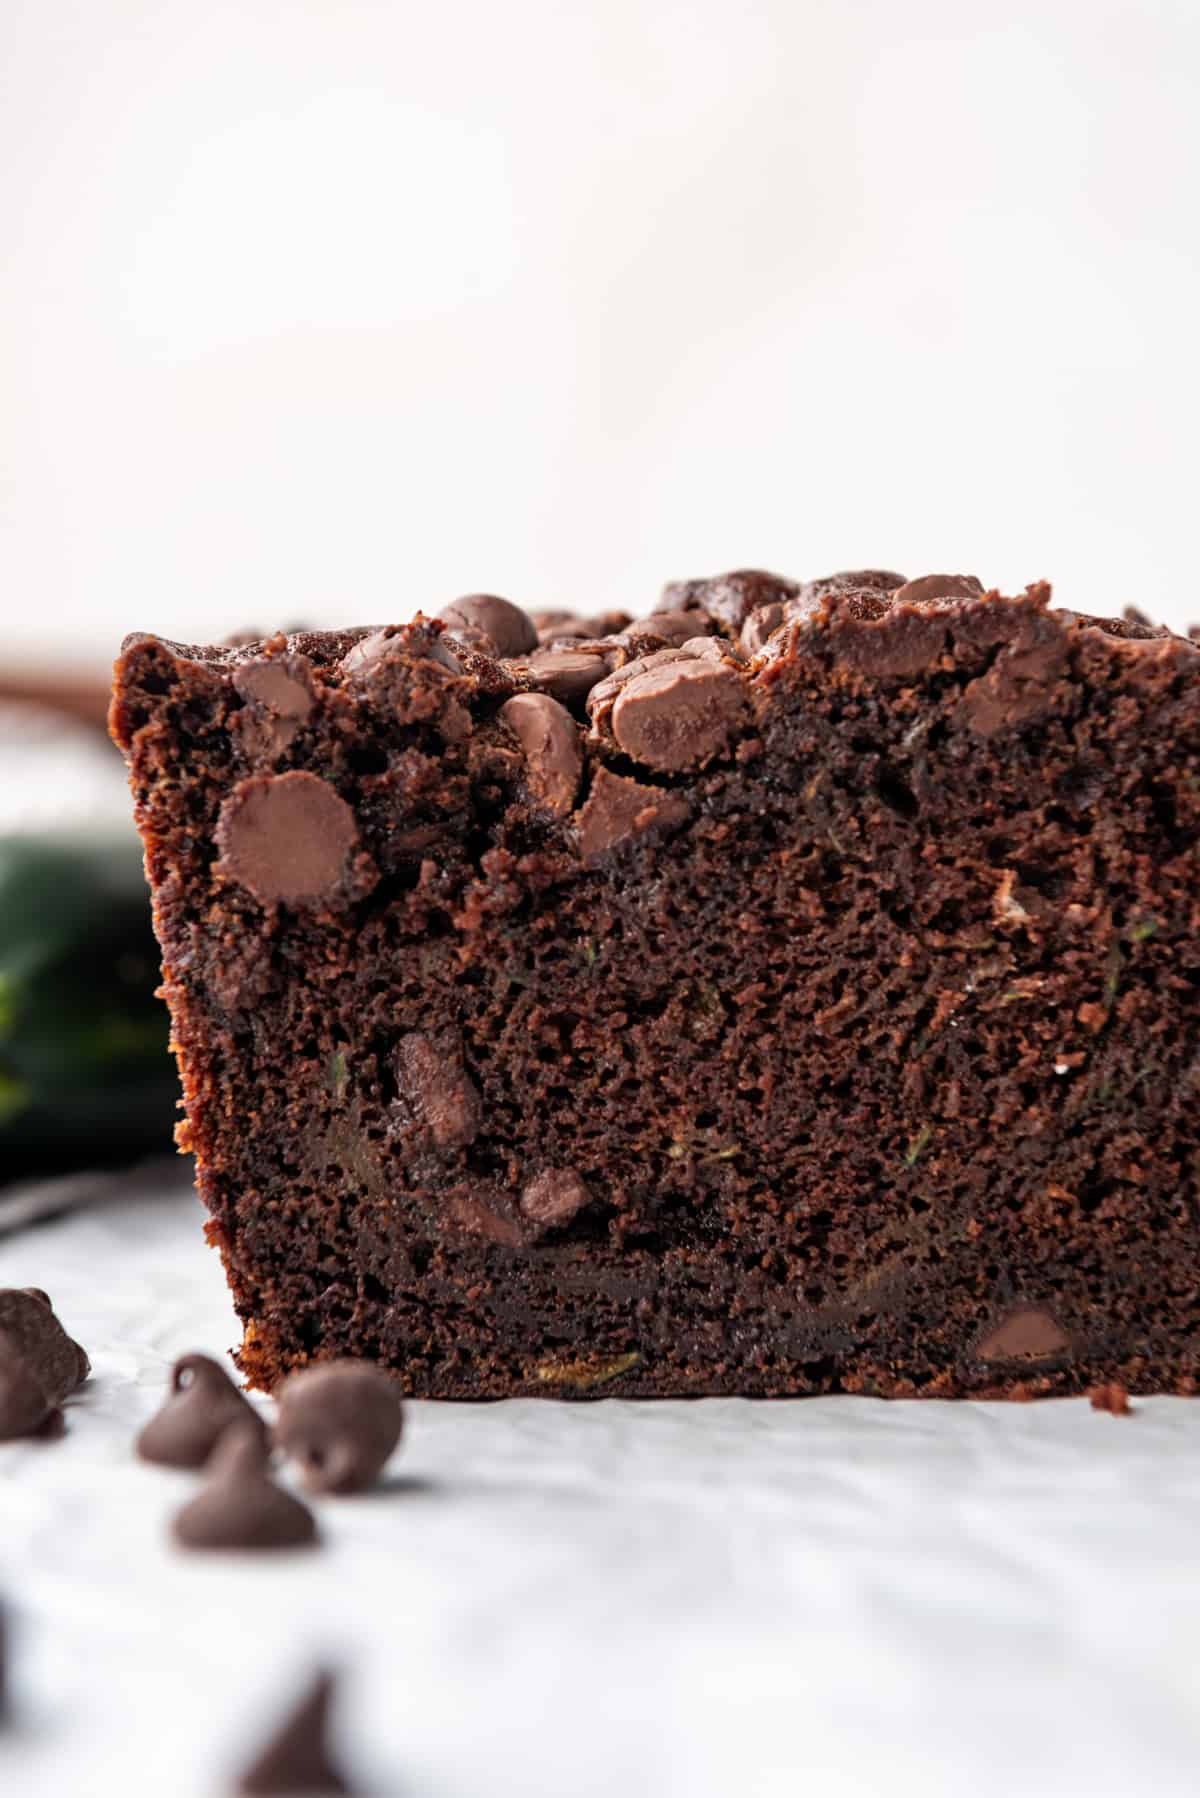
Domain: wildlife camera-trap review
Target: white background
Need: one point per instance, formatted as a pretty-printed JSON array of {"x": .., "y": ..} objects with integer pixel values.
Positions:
[{"x": 327, "y": 309}]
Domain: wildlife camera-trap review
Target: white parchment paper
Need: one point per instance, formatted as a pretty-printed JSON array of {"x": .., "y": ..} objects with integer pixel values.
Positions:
[{"x": 715, "y": 1599}]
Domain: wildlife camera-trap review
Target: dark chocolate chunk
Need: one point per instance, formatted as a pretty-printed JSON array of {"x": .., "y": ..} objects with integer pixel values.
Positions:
[
  {"x": 24, "y": 1408},
  {"x": 730, "y": 597},
  {"x": 295, "y": 1762},
  {"x": 568, "y": 674},
  {"x": 437, "y": 1090},
  {"x": 935, "y": 587},
  {"x": 679, "y": 716},
  {"x": 31, "y": 1334},
  {"x": 549, "y": 737},
  {"x": 288, "y": 838},
  {"x": 618, "y": 809},
  {"x": 494, "y": 623},
  {"x": 1028, "y": 1333},
  {"x": 554, "y": 1196},
  {"x": 240, "y": 1506},
  {"x": 202, "y": 1404},
  {"x": 339, "y": 1421}
]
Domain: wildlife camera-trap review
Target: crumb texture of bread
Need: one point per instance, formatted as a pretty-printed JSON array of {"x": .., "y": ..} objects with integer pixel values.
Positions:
[{"x": 796, "y": 990}]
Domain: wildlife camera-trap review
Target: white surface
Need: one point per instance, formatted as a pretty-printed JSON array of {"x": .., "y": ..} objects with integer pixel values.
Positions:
[
  {"x": 327, "y": 310},
  {"x": 604, "y": 1600}
]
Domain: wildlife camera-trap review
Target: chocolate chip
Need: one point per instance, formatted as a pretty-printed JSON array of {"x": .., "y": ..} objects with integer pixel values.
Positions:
[
  {"x": 396, "y": 640},
  {"x": 603, "y": 696},
  {"x": 605, "y": 624},
  {"x": 554, "y": 1196},
  {"x": 24, "y": 1408},
  {"x": 370, "y": 650},
  {"x": 339, "y": 1421},
  {"x": 618, "y": 809},
  {"x": 731, "y": 597},
  {"x": 1131, "y": 627},
  {"x": 901, "y": 643},
  {"x": 549, "y": 737},
  {"x": 862, "y": 604},
  {"x": 860, "y": 595},
  {"x": 494, "y": 623},
  {"x": 679, "y": 716},
  {"x": 241, "y": 1506},
  {"x": 437, "y": 1089},
  {"x": 761, "y": 626},
  {"x": 670, "y": 627},
  {"x": 279, "y": 699},
  {"x": 441, "y": 651},
  {"x": 288, "y": 838},
  {"x": 31, "y": 1335},
  {"x": 932, "y": 587},
  {"x": 202, "y": 1404},
  {"x": 296, "y": 1758},
  {"x": 568, "y": 674},
  {"x": 714, "y": 649},
  {"x": 1024, "y": 681},
  {"x": 571, "y": 632},
  {"x": 851, "y": 580},
  {"x": 485, "y": 1211},
  {"x": 1026, "y": 1334},
  {"x": 550, "y": 625}
]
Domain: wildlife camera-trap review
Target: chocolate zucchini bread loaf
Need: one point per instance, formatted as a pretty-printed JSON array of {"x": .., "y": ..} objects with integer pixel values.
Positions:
[{"x": 794, "y": 991}]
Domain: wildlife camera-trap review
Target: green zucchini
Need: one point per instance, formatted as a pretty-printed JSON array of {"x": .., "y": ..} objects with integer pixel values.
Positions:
[{"x": 85, "y": 1073}]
